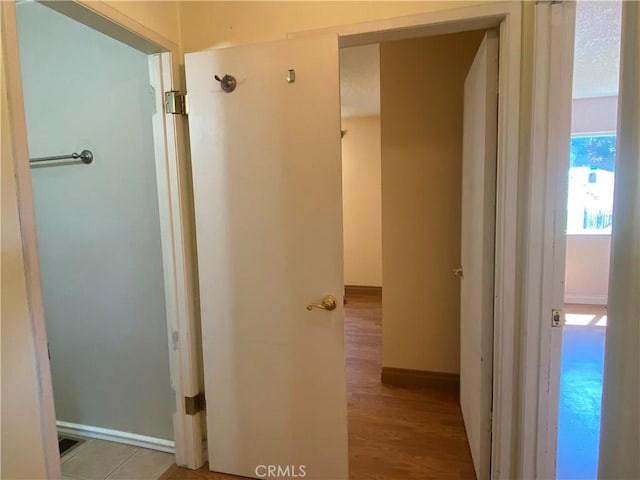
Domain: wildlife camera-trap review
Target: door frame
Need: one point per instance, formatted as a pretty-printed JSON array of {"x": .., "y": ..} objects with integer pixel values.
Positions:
[
  {"x": 544, "y": 267},
  {"x": 176, "y": 221},
  {"x": 508, "y": 345}
]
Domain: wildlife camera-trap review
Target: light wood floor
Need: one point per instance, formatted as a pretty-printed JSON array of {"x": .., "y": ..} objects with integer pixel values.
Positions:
[{"x": 395, "y": 433}]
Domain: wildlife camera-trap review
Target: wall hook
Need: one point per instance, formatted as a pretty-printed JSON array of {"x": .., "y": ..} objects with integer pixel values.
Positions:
[{"x": 227, "y": 82}]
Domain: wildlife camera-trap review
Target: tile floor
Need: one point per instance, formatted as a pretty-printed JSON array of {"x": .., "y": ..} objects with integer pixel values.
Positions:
[{"x": 101, "y": 460}]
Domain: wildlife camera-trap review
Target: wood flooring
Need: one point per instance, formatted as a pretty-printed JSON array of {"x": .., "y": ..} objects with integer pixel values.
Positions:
[{"x": 395, "y": 433}]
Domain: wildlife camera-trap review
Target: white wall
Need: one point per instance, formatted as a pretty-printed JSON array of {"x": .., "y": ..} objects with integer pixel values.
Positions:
[
  {"x": 587, "y": 269},
  {"x": 593, "y": 115},
  {"x": 98, "y": 225},
  {"x": 362, "y": 202},
  {"x": 587, "y": 256}
]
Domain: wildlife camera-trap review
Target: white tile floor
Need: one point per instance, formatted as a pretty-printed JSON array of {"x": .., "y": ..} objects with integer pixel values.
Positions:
[{"x": 101, "y": 460}]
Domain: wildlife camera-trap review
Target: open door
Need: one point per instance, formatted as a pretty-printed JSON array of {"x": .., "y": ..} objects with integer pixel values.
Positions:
[
  {"x": 266, "y": 167},
  {"x": 478, "y": 250}
]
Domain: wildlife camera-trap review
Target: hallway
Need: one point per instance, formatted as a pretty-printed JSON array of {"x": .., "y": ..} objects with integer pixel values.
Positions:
[{"x": 395, "y": 433}]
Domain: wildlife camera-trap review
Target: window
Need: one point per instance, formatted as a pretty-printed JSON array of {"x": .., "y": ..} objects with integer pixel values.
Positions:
[{"x": 591, "y": 173}]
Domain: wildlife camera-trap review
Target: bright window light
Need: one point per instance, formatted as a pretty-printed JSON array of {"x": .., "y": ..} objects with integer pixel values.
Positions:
[
  {"x": 578, "y": 319},
  {"x": 591, "y": 175}
]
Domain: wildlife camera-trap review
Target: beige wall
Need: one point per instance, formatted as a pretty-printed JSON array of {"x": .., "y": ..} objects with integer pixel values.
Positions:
[
  {"x": 587, "y": 256},
  {"x": 620, "y": 421},
  {"x": 422, "y": 83},
  {"x": 208, "y": 24},
  {"x": 22, "y": 453},
  {"x": 163, "y": 17},
  {"x": 362, "y": 202},
  {"x": 22, "y": 438}
]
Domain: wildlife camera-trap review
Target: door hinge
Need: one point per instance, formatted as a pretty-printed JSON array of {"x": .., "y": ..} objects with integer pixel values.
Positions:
[
  {"x": 195, "y": 404},
  {"x": 557, "y": 318},
  {"x": 175, "y": 102}
]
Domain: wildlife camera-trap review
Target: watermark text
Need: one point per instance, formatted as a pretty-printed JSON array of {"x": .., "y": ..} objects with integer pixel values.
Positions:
[{"x": 281, "y": 471}]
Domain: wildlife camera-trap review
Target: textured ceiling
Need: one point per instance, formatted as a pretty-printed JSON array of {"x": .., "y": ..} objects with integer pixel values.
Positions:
[
  {"x": 360, "y": 80},
  {"x": 596, "y": 61},
  {"x": 597, "y": 49}
]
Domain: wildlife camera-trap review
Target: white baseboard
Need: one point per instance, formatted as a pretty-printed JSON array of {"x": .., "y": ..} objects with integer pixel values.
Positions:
[
  {"x": 116, "y": 436},
  {"x": 586, "y": 300}
]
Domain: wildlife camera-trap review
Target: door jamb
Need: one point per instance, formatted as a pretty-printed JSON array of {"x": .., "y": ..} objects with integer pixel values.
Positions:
[
  {"x": 18, "y": 135},
  {"x": 175, "y": 202},
  {"x": 545, "y": 241},
  {"x": 178, "y": 252},
  {"x": 507, "y": 16}
]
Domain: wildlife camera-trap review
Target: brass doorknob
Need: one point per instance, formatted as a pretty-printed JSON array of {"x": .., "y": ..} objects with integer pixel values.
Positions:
[
  {"x": 458, "y": 272},
  {"x": 328, "y": 303}
]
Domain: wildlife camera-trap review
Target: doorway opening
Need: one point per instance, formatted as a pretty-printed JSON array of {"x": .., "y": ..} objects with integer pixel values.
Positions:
[
  {"x": 94, "y": 118},
  {"x": 588, "y": 235},
  {"x": 403, "y": 107}
]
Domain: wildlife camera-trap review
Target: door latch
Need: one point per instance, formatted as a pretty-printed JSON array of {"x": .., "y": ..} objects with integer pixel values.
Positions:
[{"x": 557, "y": 318}]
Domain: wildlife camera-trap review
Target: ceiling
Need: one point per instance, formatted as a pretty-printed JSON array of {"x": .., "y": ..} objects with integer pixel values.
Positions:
[
  {"x": 596, "y": 61},
  {"x": 360, "y": 80},
  {"x": 597, "y": 48}
]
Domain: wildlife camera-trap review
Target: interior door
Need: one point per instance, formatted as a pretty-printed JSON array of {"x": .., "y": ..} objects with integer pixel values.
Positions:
[
  {"x": 266, "y": 165},
  {"x": 477, "y": 250}
]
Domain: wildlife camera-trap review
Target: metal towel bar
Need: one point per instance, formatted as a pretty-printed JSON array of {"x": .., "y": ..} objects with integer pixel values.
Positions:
[{"x": 85, "y": 156}]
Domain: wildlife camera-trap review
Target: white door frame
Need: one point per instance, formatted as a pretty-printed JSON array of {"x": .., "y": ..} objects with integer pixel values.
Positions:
[
  {"x": 175, "y": 206},
  {"x": 545, "y": 239},
  {"x": 544, "y": 267},
  {"x": 506, "y": 16}
]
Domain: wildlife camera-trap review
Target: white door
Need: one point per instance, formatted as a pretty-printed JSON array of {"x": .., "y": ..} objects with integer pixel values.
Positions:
[
  {"x": 477, "y": 250},
  {"x": 266, "y": 167}
]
